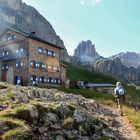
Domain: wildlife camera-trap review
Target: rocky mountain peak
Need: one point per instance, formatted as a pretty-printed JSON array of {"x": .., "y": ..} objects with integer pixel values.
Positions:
[
  {"x": 85, "y": 53},
  {"x": 85, "y": 48}
]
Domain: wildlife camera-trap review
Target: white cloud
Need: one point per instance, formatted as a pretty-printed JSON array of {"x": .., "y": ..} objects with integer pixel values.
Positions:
[
  {"x": 97, "y": 1},
  {"x": 82, "y": 3}
]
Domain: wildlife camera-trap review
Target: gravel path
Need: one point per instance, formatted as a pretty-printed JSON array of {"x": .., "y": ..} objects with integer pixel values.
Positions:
[{"x": 123, "y": 127}]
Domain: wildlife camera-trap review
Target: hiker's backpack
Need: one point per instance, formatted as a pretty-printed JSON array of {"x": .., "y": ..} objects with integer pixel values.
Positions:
[{"x": 120, "y": 91}]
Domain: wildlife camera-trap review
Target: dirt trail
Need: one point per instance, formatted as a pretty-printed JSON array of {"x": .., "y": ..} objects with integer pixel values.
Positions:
[{"x": 124, "y": 127}]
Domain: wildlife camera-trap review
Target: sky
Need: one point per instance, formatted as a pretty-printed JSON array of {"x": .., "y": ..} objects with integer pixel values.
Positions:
[{"x": 112, "y": 25}]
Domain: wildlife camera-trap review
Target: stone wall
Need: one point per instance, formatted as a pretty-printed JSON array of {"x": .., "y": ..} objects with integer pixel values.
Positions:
[{"x": 35, "y": 56}]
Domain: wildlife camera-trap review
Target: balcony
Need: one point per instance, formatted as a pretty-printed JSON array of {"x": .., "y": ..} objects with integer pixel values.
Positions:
[{"x": 8, "y": 57}]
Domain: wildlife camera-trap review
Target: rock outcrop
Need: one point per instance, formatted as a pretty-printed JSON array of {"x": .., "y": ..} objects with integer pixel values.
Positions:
[
  {"x": 115, "y": 69},
  {"x": 17, "y": 14},
  {"x": 44, "y": 114},
  {"x": 85, "y": 53},
  {"x": 129, "y": 59}
]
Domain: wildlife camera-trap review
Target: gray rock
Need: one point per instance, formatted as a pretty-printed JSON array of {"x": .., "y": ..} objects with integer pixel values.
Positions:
[
  {"x": 59, "y": 138},
  {"x": 79, "y": 116},
  {"x": 33, "y": 112},
  {"x": 43, "y": 129},
  {"x": 55, "y": 127},
  {"x": 52, "y": 117}
]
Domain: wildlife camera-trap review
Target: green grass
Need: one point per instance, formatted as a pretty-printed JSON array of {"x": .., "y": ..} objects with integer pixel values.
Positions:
[
  {"x": 132, "y": 96},
  {"x": 19, "y": 130},
  {"x": 68, "y": 121},
  {"x": 76, "y": 72}
]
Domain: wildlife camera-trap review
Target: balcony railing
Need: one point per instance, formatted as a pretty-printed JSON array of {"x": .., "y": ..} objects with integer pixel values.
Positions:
[{"x": 12, "y": 56}]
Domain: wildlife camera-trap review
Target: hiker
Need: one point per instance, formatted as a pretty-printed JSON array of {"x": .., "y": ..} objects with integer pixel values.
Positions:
[{"x": 119, "y": 96}]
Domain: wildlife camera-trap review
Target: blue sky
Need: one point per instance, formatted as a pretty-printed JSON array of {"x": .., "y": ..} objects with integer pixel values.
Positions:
[{"x": 112, "y": 25}]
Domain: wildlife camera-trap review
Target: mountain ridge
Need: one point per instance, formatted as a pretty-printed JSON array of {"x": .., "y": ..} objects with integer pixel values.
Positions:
[
  {"x": 123, "y": 66},
  {"x": 129, "y": 59}
]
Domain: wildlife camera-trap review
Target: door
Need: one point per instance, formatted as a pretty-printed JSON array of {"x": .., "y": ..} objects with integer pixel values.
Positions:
[
  {"x": 18, "y": 80},
  {"x": 9, "y": 76}
]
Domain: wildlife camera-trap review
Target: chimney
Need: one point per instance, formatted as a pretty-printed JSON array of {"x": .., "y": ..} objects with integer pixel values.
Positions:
[{"x": 32, "y": 33}]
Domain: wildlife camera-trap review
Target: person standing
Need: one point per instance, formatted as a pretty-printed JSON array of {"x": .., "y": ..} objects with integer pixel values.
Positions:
[{"x": 119, "y": 96}]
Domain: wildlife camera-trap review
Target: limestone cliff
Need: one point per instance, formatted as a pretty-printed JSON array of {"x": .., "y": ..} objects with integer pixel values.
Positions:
[
  {"x": 129, "y": 59},
  {"x": 17, "y": 14},
  {"x": 85, "y": 53},
  {"x": 115, "y": 69}
]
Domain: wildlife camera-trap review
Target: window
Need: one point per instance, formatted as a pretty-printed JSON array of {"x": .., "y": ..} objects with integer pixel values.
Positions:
[
  {"x": 37, "y": 64},
  {"x": 16, "y": 64},
  {"x": 10, "y": 37},
  {"x": 55, "y": 69},
  {"x": 17, "y": 51},
  {"x": 45, "y": 51},
  {"x": 43, "y": 66},
  {"x": 49, "y": 53},
  {"x": 32, "y": 78},
  {"x": 49, "y": 80},
  {"x": 40, "y": 50},
  {"x": 49, "y": 67},
  {"x": 19, "y": 64},
  {"x": 53, "y": 54},
  {"x": 36, "y": 79},
  {"x": 13, "y": 37},
  {"x": 59, "y": 69},
  {"x": 55, "y": 81},
  {"x": 45, "y": 79},
  {"x": 5, "y": 67},
  {"x": 5, "y": 53},
  {"x": 32, "y": 64},
  {"x": 58, "y": 81},
  {"x": 21, "y": 50},
  {"x": 40, "y": 79}
]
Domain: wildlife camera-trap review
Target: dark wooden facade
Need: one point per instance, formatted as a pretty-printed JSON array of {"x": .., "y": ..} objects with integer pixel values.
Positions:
[{"x": 26, "y": 59}]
